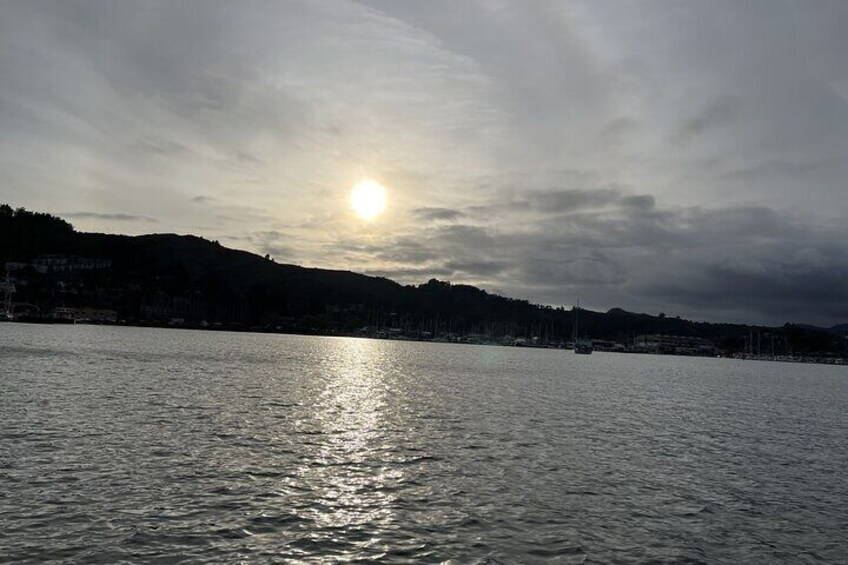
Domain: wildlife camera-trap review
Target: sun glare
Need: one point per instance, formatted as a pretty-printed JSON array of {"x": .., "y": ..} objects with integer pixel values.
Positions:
[{"x": 368, "y": 198}]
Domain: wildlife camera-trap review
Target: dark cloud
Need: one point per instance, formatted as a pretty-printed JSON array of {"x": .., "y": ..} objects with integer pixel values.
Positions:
[
  {"x": 570, "y": 200},
  {"x": 641, "y": 201},
  {"x": 616, "y": 130},
  {"x": 409, "y": 250},
  {"x": 706, "y": 263},
  {"x": 160, "y": 146},
  {"x": 563, "y": 201},
  {"x": 775, "y": 169},
  {"x": 718, "y": 112},
  {"x": 432, "y": 214},
  {"x": 783, "y": 290}
]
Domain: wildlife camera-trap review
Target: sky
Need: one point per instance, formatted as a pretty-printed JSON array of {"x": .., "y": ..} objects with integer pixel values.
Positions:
[{"x": 689, "y": 158}]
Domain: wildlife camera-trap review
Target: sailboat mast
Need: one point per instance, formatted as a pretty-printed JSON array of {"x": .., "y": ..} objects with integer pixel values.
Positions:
[
  {"x": 7, "y": 295},
  {"x": 576, "y": 321}
]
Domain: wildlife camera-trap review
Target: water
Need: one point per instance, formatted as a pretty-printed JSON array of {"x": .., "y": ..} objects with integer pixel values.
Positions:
[{"x": 126, "y": 445}]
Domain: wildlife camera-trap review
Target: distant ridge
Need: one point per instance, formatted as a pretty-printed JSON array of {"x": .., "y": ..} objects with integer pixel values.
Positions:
[
  {"x": 841, "y": 329},
  {"x": 168, "y": 279}
]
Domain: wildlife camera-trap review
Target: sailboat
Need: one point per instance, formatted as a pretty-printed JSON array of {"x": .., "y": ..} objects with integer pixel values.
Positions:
[
  {"x": 581, "y": 346},
  {"x": 8, "y": 289}
]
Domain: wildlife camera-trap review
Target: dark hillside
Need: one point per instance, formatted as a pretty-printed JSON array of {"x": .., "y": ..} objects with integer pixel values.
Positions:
[{"x": 190, "y": 281}]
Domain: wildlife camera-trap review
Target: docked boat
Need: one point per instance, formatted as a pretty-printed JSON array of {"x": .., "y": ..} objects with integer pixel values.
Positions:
[{"x": 584, "y": 347}]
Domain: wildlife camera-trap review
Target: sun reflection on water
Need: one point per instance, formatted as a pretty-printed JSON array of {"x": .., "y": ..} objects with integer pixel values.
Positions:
[{"x": 349, "y": 475}]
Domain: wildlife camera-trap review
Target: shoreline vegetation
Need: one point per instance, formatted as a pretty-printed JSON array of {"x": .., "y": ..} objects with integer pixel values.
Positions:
[{"x": 55, "y": 274}]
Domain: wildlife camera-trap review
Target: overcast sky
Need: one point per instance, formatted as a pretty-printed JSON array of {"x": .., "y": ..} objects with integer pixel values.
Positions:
[{"x": 677, "y": 156}]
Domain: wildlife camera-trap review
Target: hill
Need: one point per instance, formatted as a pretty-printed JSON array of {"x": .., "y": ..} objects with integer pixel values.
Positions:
[{"x": 168, "y": 279}]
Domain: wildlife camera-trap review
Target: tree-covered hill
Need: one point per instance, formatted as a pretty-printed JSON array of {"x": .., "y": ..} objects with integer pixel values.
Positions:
[{"x": 191, "y": 281}]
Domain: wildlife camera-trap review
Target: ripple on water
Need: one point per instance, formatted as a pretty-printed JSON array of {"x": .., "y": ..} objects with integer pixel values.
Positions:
[{"x": 123, "y": 445}]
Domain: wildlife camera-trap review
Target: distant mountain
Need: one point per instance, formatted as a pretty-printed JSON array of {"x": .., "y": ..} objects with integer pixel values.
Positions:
[
  {"x": 841, "y": 329},
  {"x": 838, "y": 329},
  {"x": 168, "y": 279}
]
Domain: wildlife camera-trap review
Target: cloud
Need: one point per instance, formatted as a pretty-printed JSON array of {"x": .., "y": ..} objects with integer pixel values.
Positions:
[
  {"x": 570, "y": 200},
  {"x": 160, "y": 146},
  {"x": 783, "y": 288},
  {"x": 745, "y": 262},
  {"x": 203, "y": 199},
  {"x": 275, "y": 243},
  {"x": 478, "y": 267},
  {"x": 434, "y": 214},
  {"x": 121, "y": 217},
  {"x": 774, "y": 169},
  {"x": 548, "y": 149},
  {"x": 640, "y": 201},
  {"x": 413, "y": 274},
  {"x": 718, "y": 112},
  {"x": 616, "y": 130}
]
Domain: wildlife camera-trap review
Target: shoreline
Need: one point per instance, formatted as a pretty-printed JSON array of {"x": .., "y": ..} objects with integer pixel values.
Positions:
[{"x": 801, "y": 359}]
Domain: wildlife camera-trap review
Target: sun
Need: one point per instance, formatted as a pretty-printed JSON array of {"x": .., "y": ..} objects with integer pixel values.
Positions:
[{"x": 368, "y": 199}]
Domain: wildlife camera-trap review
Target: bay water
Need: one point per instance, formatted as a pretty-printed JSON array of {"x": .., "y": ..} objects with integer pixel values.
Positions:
[{"x": 134, "y": 445}]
